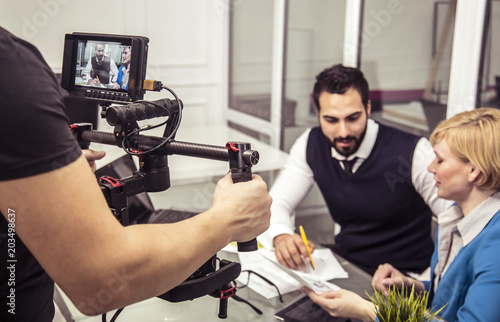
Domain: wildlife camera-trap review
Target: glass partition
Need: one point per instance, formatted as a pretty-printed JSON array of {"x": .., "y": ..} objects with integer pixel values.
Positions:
[
  {"x": 315, "y": 35},
  {"x": 250, "y": 55},
  {"x": 406, "y": 57},
  {"x": 313, "y": 40},
  {"x": 490, "y": 82}
]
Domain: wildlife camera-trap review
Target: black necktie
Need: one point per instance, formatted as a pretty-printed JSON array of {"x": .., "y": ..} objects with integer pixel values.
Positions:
[{"x": 348, "y": 165}]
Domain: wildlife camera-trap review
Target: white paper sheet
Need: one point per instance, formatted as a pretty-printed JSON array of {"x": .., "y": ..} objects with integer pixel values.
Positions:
[{"x": 265, "y": 263}]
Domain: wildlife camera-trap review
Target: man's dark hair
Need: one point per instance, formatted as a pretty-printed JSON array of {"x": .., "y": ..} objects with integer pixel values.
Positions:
[{"x": 337, "y": 80}]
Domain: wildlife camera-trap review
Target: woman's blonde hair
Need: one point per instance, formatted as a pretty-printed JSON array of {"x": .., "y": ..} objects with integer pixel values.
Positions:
[{"x": 474, "y": 136}]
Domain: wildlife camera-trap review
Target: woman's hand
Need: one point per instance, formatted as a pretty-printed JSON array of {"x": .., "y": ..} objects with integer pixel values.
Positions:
[
  {"x": 344, "y": 304},
  {"x": 386, "y": 276}
]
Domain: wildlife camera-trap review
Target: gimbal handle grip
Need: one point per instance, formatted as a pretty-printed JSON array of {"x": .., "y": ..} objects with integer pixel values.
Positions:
[
  {"x": 241, "y": 160},
  {"x": 250, "y": 245}
]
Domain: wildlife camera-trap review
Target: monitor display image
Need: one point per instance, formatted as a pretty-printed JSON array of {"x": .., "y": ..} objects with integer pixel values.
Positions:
[
  {"x": 103, "y": 64},
  {"x": 104, "y": 68}
]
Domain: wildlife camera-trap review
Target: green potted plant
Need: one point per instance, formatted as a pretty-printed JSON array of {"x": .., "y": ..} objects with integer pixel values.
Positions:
[{"x": 402, "y": 305}]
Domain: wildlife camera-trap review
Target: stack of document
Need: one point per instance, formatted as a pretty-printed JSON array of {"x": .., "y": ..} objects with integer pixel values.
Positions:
[{"x": 264, "y": 262}]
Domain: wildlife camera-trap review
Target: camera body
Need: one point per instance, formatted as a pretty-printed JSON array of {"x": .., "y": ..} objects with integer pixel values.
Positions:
[{"x": 104, "y": 68}]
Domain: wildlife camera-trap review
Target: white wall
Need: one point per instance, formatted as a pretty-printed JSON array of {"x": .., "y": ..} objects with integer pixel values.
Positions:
[
  {"x": 185, "y": 48},
  {"x": 397, "y": 43}
]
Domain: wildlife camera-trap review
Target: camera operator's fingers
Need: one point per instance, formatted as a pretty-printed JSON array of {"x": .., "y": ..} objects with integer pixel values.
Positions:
[
  {"x": 287, "y": 252},
  {"x": 246, "y": 205},
  {"x": 92, "y": 156},
  {"x": 225, "y": 181}
]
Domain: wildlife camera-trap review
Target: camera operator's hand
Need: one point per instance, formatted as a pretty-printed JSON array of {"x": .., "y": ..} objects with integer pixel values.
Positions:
[
  {"x": 92, "y": 156},
  {"x": 291, "y": 251},
  {"x": 243, "y": 206}
]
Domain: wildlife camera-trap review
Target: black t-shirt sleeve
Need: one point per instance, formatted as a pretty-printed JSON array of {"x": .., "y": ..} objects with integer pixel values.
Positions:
[
  {"x": 34, "y": 134},
  {"x": 34, "y": 139}
]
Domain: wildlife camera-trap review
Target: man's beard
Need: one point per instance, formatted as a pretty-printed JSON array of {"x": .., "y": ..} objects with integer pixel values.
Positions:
[
  {"x": 351, "y": 149},
  {"x": 100, "y": 59}
]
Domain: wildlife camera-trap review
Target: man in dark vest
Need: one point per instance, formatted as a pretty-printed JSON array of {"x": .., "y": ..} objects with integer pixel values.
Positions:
[
  {"x": 100, "y": 67},
  {"x": 373, "y": 178}
]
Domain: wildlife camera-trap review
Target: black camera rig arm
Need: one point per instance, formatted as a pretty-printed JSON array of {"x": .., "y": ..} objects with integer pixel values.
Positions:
[{"x": 152, "y": 151}]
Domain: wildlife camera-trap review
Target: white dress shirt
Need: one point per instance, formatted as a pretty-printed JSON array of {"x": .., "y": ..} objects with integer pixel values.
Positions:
[{"x": 296, "y": 179}]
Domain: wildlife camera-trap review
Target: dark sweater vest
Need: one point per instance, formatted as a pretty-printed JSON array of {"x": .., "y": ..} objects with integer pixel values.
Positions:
[
  {"x": 383, "y": 219},
  {"x": 101, "y": 70}
]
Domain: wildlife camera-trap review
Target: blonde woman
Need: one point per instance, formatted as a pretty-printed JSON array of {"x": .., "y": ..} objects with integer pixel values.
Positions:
[{"x": 124, "y": 70}]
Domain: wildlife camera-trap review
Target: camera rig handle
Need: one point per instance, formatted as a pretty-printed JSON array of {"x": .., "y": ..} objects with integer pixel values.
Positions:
[
  {"x": 154, "y": 167},
  {"x": 241, "y": 159}
]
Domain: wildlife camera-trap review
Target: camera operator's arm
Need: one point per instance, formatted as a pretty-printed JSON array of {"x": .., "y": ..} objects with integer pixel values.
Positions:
[{"x": 64, "y": 220}]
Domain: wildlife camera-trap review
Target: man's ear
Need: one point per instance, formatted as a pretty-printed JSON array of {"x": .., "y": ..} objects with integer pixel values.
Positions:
[{"x": 368, "y": 108}]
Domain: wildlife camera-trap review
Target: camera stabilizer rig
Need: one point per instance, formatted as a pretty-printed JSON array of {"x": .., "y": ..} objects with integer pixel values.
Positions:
[{"x": 153, "y": 176}]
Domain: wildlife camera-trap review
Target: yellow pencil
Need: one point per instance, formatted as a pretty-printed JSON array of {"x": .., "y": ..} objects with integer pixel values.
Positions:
[{"x": 304, "y": 238}]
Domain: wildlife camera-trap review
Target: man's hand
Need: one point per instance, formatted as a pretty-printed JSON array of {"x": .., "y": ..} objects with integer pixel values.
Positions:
[
  {"x": 94, "y": 81},
  {"x": 291, "y": 251},
  {"x": 386, "y": 276},
  {"x": 244, "y": 207},
  {"x": 343, "y": 303},
  {"x": 92, "y": 156}
]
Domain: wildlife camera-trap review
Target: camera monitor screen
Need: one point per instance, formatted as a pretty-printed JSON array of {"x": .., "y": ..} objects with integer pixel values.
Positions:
[{"x": 104, "y": 68}]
